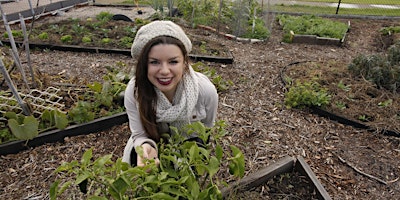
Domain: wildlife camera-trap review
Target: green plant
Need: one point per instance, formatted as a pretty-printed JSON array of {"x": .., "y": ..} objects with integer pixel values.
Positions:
[
  {"x": 187, "y": 170},
  {"x": 385, "y": 103},
  {"x": 390, "y": 30},
  {"x": 311, "y": 25},
  {"x": 22, "y": 127},
  {"x": 341, "y": 105},
  {"x": 259, "y": 31},
  {"x": 126, "y": 41},
  {"x": 104, "y": 16},
  {"x": 105, "y": 40},
  {"x": 378, "y": 69},
  {"x": 66, "y": 38},
  {"x": 306, "y": 94},
  {"x": 86, "y": 39},
  {"x": 343, "y": 86},
  {"x": 43, "y": 36},
  {"x": 81, "y": 112},
  {"x": 15, "y": 34},
  {"x": 363, "y": 118}
]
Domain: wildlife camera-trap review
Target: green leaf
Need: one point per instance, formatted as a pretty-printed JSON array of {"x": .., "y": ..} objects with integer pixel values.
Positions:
[
  {"x": 96, "y": 87},
  {"x": 86, "y": 157},
  {"x": 213, "y": 167},
  {"x": 219, "y": 152},
  {"x": 162, "y": 195},
  {"x": 237, "y": 166},
  {"x": 60, "y": 119},
  {"x": 26, "y": 131},
  {"x": 97, "y": 198},
  {"x": 82, "y": 177},
  {"x": 118, "y": 188},
  {"x": 54, "y": 189}
]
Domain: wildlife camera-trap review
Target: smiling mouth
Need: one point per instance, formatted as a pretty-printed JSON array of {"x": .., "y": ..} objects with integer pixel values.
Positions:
[{"x": 164, "y": 81}]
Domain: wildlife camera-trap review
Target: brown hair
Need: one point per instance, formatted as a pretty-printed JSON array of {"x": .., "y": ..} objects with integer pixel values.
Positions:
[{"x": 144, "y": 89}]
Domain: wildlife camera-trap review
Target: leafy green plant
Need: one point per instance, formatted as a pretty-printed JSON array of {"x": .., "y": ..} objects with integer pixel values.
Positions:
[
  {"x": 306, "y": 94},
  {"x": 104, "y": 16},
  {"x": 390, "y": 30},
  {"x": 54, "y": 118},
  {"x": 86, "y": 39},
  {"x": 126, "y": 41},
  {"x": 187, "y": 170},
  {"x": 311, "y": 25},
  {"x": 105, "y": 40},
  {"x": 15, "y": 34},
  {"x": 343, "y": 86},
  {"x": 341, "y": 105},
  {"x": 23, "y": 127},
  {"x": 260, "y": 31},
  {"x": 43, "y": 36},
  {"x": 66, "y": 38},
  {"x": 385, "y": 103}
]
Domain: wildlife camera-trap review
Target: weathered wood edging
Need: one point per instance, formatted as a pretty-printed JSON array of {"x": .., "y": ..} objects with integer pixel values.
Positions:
[{"x": 96, "y": 125}]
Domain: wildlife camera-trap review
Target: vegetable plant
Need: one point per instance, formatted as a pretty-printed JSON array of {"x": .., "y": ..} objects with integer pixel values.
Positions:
[
  {"x": 306, "y": 94},
  {"x": 311, "y": 25},
  {"x": 187, "y": 170}
]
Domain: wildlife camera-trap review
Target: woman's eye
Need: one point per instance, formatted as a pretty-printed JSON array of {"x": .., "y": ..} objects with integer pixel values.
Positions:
[
  {"x": 173, "y": 62},
  {"x": 154, "y": 62}
]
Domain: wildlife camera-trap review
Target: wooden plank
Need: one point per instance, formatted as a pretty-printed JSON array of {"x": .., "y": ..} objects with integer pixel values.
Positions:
[
  {"x": 302, "y": 167},
  {"x": 260, "y": 177}
]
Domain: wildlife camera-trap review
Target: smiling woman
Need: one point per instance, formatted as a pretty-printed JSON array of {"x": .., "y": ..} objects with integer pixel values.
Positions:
[{"x": 165, "y": 90}]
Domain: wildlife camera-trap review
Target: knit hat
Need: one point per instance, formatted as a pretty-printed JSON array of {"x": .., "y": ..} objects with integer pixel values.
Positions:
[{"x": 155, "y": 29}]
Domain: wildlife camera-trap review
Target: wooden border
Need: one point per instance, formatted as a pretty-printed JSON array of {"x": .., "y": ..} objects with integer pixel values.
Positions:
[{"x": 284, "y": 165}]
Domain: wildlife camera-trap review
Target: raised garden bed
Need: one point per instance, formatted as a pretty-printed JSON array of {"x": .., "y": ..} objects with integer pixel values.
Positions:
[
  {"x": 310, "y": 29},
  {"x": 96, "y": 125},
  {"x": 287, "y": 165}
]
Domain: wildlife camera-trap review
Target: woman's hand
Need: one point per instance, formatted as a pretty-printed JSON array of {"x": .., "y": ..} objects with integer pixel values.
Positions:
[{"x": 149, "y": 152}]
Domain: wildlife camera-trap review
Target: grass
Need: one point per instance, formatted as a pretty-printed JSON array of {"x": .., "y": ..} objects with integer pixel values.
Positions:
[
  {"x": 332, "y": 10},
  {"x": 383, "y": 2}
]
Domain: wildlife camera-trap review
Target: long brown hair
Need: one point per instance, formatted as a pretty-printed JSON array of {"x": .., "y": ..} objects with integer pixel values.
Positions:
[{"x": 144, "y": 89}]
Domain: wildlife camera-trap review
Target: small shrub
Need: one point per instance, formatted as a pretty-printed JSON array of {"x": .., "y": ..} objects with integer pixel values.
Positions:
[
  {"x": 86, "y": 39},
  {"x": 380, "y": 70},
  {"x": 15, "y": 34},
  {"x": 307, "y": 94},
  {"x": 260, "y": 30},
  {"x": 104, "y": 16},
  {"x": 43, "y": 36},
  {"x": 66, "y": 38},
  {"x": 126, "y": 41},
  {"x": 105, "y": 40}
]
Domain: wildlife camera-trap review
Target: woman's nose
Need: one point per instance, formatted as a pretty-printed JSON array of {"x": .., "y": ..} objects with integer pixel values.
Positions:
[{"x": 164, "y": 68}]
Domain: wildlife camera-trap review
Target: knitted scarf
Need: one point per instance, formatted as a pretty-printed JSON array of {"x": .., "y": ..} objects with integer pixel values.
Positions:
[{"x": 178, "y": 112}]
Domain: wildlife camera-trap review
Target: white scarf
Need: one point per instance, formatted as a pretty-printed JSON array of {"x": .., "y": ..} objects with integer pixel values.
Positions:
[{"x": 178, "y": 112}]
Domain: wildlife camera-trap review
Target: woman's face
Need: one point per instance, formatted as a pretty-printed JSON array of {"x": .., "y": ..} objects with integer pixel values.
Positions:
[{"x": 166, "y": 66}]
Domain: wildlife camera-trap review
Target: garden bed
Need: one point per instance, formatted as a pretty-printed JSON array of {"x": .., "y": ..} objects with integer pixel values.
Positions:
[{"x": 251, "y": 186}]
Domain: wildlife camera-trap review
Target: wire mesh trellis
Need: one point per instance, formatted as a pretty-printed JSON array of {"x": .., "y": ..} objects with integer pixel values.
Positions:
[{"x": 38, "y": 100}]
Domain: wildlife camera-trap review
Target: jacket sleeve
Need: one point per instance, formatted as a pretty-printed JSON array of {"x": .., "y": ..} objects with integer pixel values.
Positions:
[
  {"x": 138, "y": 134},
  {"x": 209, "y": 97}
]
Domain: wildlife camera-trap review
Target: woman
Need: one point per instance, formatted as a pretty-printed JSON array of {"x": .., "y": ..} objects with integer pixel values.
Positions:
[{"x": 165, "y": 90}]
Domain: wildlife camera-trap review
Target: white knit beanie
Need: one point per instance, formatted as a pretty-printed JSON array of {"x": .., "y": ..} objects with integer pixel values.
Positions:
[{"x": 155, "y": 29}]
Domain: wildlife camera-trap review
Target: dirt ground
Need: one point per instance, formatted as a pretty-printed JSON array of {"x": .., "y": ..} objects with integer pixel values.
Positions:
[{"x": 350, "y": 163}]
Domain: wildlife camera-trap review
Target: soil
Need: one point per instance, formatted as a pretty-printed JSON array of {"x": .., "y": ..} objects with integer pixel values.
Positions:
[{"x": 350, "y": 163}]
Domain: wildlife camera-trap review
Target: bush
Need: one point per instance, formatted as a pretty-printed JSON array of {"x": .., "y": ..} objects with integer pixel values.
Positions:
[
  {"x": 307, "y": 94},
  {"x": 380, "y": 70},
  {"x": 66, "y": 38}
]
